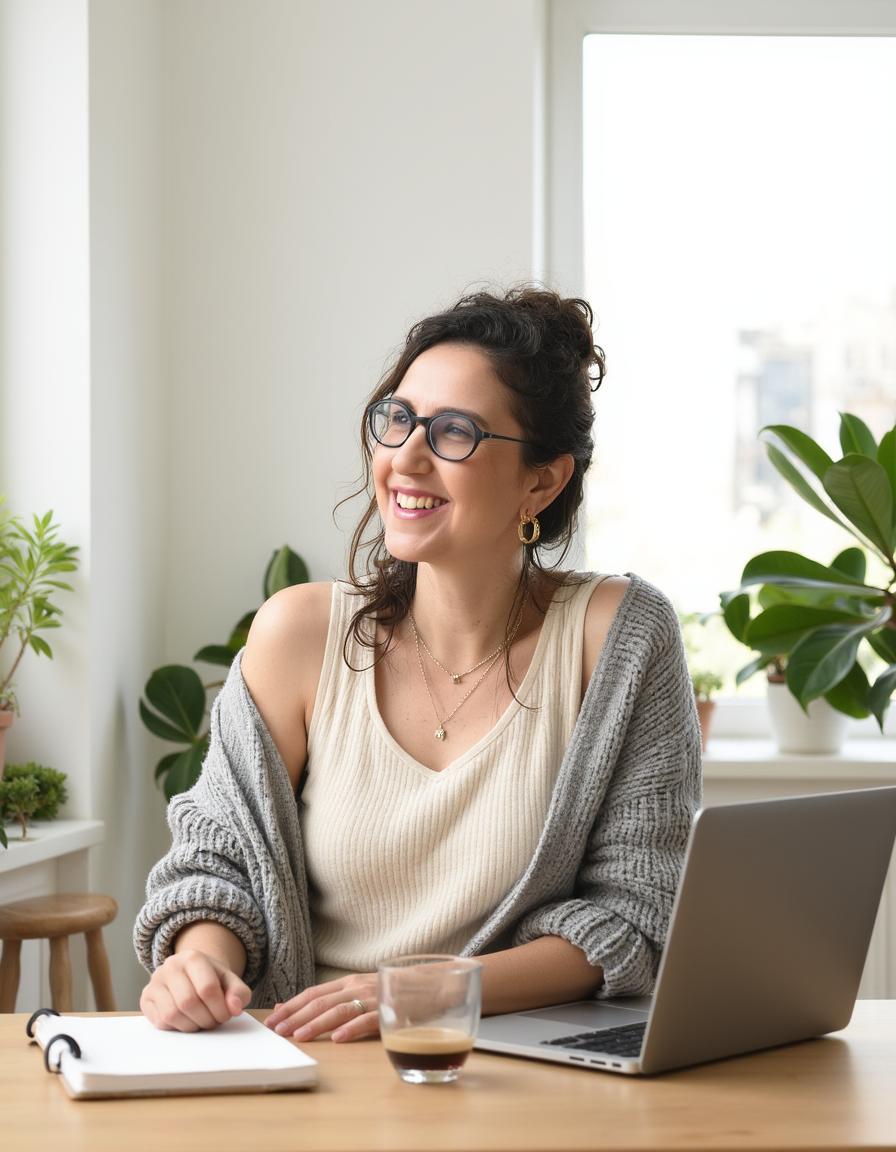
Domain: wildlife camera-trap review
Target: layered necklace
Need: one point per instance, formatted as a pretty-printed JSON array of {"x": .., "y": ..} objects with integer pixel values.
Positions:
[{"x": 457, "y": 677}]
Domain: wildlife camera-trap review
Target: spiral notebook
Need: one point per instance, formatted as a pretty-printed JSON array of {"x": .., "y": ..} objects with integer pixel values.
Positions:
[{"x": 126, "y": 1056}]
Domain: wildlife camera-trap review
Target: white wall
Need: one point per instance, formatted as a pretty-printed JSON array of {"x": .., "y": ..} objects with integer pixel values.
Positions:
[
  {"x": 332, "y": 172},
  {"x": 276, "y": 191},
  {"x": 44, "y": 350},
  {"x": 129, "y": 471}
]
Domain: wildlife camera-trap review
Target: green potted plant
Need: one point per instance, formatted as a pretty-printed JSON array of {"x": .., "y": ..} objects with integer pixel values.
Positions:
[
  {"x": 809, "y": 622},
  {"x": 176, "y": 704},
  {"x": 705, "y": 681},
  {"x": 31, "y": 562},
  {"x": 31, "y": 792}
]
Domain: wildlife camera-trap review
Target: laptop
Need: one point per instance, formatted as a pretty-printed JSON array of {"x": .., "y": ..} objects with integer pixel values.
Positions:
[{"x": 766, "y": 945}]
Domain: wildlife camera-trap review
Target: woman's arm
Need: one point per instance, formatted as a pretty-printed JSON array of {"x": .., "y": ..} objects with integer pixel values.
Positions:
[{"x": 545, "y": 971}]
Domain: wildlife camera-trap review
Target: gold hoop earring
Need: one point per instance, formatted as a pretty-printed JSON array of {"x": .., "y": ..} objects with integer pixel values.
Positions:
[{"x": 525, "y": 521}]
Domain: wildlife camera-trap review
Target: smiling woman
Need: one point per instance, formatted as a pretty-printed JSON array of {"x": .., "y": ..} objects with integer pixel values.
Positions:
[{"x": 535, "y": 819}]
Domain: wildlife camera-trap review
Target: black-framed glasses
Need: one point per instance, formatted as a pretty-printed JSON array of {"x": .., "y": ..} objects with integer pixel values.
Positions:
[{"x": 451, "y": 435}]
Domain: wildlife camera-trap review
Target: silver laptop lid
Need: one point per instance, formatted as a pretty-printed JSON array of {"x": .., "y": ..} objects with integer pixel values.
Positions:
[{"x": 771, "y": 924}]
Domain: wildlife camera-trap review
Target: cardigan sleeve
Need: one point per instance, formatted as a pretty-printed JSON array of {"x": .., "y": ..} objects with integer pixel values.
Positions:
[
  {"x": 618, "y": 912},
  {"x": 203, "y": 876}
]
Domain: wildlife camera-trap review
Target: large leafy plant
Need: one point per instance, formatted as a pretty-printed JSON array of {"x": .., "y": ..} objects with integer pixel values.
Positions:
[
  {"x": 813, "y": 618},
  {"x": 31, "y": 562},
  {"x": 177, "y": 701}
]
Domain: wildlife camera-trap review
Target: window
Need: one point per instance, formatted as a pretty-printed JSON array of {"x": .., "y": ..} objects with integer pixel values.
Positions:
[{"x": 734, "y": 214}]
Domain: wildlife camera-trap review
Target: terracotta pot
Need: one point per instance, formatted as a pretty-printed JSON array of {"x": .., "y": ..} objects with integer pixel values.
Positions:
[
  {"x": 823, "y": 730},
  {"x": 705, "y": 709},
  {"x": 6, "y": 719}
]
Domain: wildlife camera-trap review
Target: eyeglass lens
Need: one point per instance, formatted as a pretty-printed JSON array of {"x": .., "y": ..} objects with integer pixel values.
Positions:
[{"x": 451, "y": 436}]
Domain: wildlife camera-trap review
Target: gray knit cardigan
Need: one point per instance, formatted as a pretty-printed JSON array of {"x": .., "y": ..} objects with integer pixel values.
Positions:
[{"x": 603, "y": 875}]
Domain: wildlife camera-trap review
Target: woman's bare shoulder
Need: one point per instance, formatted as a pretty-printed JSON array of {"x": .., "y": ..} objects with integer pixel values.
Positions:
[
  {"x": 300, "y": 612},
  {"x": 282, "y": 662},
  {"x": 603, "y": 605}
]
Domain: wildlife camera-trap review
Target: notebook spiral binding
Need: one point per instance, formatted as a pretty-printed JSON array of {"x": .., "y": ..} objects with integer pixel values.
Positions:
[
  {"x": 73, "y": 1045},
  {"x": 34, "y": 1017}
]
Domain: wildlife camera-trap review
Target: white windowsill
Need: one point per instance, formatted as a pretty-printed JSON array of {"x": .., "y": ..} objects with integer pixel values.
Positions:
[
  {"x": 46, "y": 841},
  {"x": 738, "y": 757}
]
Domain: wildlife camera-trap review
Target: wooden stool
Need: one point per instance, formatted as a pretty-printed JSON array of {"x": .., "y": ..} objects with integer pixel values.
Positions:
[{"x": 55, "y": 918}]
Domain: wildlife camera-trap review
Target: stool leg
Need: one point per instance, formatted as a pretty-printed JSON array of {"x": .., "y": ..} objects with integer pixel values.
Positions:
[
  {"x": 98, "y": 967},
  {"x": 9, "y": 974},
  {"x": 60, "y": 974}
]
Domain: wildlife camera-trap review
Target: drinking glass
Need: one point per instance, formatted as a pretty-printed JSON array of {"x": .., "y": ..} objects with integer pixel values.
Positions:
[{"x": 429, "y": 1011}]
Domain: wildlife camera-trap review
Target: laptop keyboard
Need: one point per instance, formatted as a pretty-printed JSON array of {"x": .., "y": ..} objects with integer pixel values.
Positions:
[{"x": 623, "y": 1041}]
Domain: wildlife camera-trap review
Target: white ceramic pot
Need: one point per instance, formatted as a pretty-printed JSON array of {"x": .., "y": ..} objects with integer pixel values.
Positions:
[{"x": 823, "y": 730}]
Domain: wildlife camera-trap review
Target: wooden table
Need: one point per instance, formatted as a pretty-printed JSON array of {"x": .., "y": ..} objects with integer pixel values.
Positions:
[{"x": 837, "y": 1092}]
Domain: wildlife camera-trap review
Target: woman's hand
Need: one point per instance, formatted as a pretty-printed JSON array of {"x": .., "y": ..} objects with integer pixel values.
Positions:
[
  {"x": 346, "y": 1007},
  {"x": 192, "y": 991}
]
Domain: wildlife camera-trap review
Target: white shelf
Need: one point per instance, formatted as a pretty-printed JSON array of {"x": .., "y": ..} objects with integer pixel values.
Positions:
[{"x": 46, "y": 841}]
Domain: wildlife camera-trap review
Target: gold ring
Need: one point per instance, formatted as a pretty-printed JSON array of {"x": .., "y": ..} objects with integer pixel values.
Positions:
[{"x": 361, "y": 1006}]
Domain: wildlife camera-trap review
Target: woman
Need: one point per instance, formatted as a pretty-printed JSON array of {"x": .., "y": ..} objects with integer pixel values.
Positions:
[{"x": 493, "y": 757}]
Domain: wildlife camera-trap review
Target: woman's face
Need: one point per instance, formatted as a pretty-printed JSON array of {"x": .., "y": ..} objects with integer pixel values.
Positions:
[{"x": 476, "y": 502}]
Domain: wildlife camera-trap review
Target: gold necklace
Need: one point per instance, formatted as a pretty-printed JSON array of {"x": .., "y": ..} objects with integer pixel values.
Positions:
[
  {"x": 440, "y": 732},
  {"x": 456, "y": 677}
]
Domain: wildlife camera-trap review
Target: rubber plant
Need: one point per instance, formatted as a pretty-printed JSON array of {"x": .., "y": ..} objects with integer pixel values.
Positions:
[
  {"x": 176, "y": 706},
  {"x": 813, "y": 619}
]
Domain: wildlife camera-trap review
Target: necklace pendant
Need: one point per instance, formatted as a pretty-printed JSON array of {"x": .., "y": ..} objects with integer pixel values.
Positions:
[
  {"x": 440, "y": 733},
  {"x": 456, "y": 677}
]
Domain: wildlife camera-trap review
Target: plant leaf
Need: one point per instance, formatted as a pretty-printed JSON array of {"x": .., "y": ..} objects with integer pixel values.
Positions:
[
  {"x": 160, "y": 727},
  {"x": 177, "y": 693},
  {"x": 284, "y": 569},
  {"x": 736, "y": 614},
  {"x": 884, "y": 644},
  {"x": 856, "y": 436},
  {"x": 750, "y": 669},
  {"x": 185, "y": 771},
  {"x": 850, "y": 696},
  {"x": 164, "y": 765},
  {"x": 824, "y": 657},
  {"x": 881, "y": 691},
  {"x": 40, "y": 646},
  {"x": 802, "y": 446},
  {"x": 801, "y": 485},
  {"x": 216, "y": 654},
  {"x": 851, "y": 561},
  {"x": 240, "y": 633},
  {"x": 861, "y": 490},
  {"x": 778, "y": 629},
  {"x": 792, "y": 569},
  {"x": 886, "y": 457}
]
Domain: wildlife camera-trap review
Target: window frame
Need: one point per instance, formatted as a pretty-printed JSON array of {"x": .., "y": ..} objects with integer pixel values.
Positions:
[{"x": 559, "y": 194}]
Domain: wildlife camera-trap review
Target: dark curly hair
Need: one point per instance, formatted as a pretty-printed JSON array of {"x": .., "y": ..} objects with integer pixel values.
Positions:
[{"x": 541, "y": 347}]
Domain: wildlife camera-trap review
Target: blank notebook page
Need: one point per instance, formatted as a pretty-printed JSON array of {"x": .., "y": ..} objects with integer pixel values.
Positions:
[{"x": 127, "y": 1054}]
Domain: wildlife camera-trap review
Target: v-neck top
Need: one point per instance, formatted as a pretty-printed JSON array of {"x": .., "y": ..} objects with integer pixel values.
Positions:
[{"x": 401, "y": 858}]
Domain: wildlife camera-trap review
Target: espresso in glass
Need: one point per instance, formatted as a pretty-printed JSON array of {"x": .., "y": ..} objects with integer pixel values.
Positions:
[
  {"x": 429, "y": 1012},
  {"x": 428, "y": 1049}
]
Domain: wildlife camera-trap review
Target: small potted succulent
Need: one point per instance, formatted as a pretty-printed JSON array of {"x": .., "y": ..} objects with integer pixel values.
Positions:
[
  {"x": 806, "y": 622},
  {"x": 31, "y": 562}
]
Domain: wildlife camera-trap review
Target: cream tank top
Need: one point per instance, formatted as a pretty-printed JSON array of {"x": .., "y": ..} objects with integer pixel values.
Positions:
[{"x": 402, "y": 859}]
